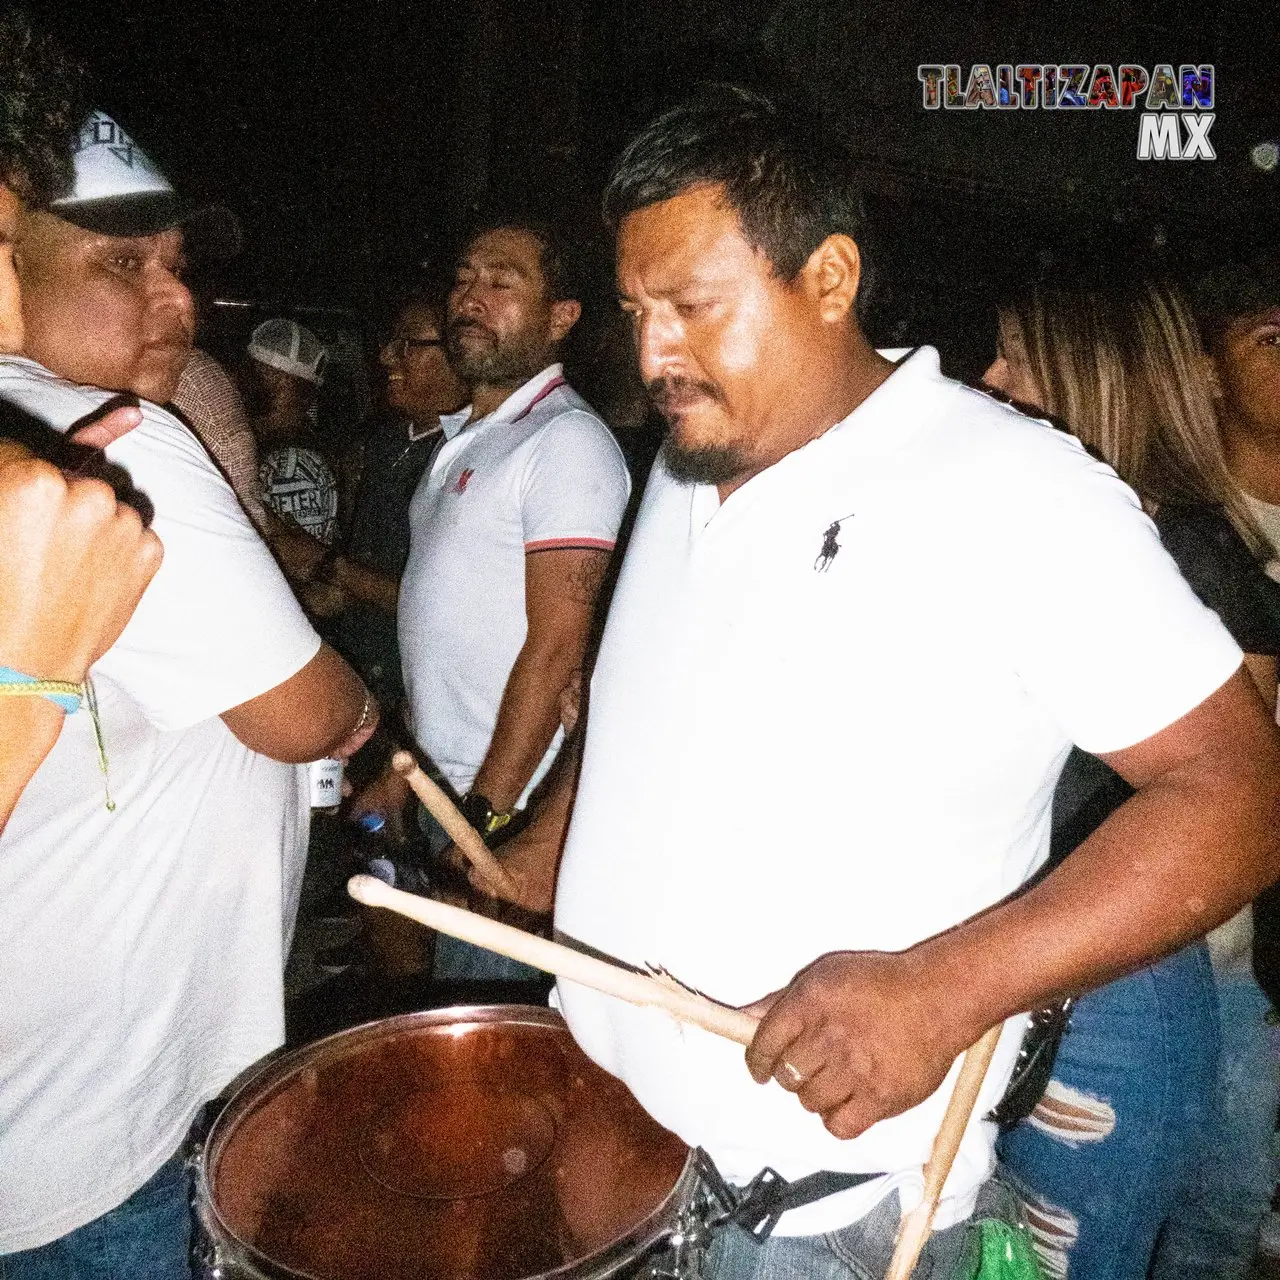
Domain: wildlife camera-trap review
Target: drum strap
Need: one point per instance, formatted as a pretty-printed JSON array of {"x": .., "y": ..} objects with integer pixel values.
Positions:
[{"x": 758, "y": 1206}]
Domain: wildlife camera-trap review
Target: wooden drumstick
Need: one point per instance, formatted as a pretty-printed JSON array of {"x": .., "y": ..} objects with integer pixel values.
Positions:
[
  {"x": 552, "y": 957},
  {"x": 459, "y": 830},
  {"x": 917, "y": 1226}
]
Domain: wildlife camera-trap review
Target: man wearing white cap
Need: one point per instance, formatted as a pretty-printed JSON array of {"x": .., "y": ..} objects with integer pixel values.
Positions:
[
  {"x": 287, "y": 363},
  {"x": 149, "y": 894}
]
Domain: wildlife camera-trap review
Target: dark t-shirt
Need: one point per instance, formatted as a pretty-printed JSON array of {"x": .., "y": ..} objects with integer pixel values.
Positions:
[
  {"x": 1219, "y": 568},
  {"x": 1217, "y": 564},
  {"x": 384, "y": 472}
]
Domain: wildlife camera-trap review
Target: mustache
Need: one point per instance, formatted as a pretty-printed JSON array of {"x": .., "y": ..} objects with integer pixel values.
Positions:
[
  {"x": 456, "y": 327},
  {"x": 672, "y": 393}
]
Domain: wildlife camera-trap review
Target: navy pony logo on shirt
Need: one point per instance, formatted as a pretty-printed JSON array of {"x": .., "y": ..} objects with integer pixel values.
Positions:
[{"x": 830, "y": 547}]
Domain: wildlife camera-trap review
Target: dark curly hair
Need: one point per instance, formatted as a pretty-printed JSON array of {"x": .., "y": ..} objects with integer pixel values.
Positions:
[{"x": 43, "y": 103}]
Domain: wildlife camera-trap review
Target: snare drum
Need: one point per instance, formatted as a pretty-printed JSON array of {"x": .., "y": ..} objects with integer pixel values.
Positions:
[{"x": 454, "y": 1144}]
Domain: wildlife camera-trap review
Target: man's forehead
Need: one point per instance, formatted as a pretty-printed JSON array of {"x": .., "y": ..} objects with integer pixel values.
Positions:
[
  {"x": 690, "y": 237},
  {"x": 504, "y": 248},
  {"x": 168, "y": 241}
]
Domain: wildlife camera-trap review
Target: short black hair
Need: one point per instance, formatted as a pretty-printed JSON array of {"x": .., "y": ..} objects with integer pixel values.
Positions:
[
  {"x": 789, "y": 181},
  {"x": 1229, "y": 290},
  {"x": 44, "y": 99},
  {"x": 561, "y": 269}
]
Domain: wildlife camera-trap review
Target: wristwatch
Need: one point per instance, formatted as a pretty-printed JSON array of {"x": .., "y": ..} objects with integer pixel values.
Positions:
[{"x": 481, "y": 814}]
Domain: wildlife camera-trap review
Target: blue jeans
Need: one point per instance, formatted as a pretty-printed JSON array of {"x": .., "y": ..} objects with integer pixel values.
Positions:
[
  {"x": 148, "y": 1237},
  {"x": 858, "y": 1252},
  {"x": 1107, "y": 1153},
  {"x": 1212, "y": 1234}
]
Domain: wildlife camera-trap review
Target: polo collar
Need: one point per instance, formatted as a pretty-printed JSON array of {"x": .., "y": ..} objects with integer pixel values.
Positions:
[
  {"x": 904, "y": 404},
  {"x": 513, "y": 407}
]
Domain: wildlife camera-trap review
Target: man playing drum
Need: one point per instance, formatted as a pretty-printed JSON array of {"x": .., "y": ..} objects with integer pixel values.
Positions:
[{"x": 865, "y": 613}]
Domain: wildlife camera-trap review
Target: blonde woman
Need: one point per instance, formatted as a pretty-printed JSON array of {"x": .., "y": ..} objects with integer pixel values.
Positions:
[{"x": 1116, "y": 1154}]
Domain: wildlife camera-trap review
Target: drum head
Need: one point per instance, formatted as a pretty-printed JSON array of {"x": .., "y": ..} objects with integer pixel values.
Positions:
[{"x": 457, "y": 1143}]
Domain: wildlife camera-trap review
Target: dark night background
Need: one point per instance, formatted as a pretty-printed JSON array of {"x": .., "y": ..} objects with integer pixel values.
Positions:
[{"x": 352, "y": 138}]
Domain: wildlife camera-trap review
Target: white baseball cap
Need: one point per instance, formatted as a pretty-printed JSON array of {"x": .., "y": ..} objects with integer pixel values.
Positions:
[
  {"x": 118, "y": 191},
  {"x": 287, "y": 346}
]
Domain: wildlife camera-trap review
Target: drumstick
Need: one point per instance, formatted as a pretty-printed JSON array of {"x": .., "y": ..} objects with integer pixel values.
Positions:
[
  {"x": 917, "y": 1226},
  {"x": 552, "y": 957},
  {"x": 459, "y": 830}
]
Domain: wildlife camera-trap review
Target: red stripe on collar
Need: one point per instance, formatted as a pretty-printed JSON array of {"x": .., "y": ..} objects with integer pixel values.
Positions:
[{"x": 557, "y": 381}]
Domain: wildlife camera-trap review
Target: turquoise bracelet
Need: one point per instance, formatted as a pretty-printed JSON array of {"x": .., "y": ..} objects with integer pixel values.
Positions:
[{"x": 60, "y": 692}]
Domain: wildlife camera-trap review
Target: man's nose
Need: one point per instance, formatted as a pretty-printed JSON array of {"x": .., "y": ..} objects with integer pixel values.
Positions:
[
  {"x": 170, "y": 296},
  {"x": 659, "y": 346},
  {"x": 468, "y": 300}
]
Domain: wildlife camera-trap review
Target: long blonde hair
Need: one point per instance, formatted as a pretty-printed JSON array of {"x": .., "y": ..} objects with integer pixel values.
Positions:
[{"x": 1125, "y": 370}]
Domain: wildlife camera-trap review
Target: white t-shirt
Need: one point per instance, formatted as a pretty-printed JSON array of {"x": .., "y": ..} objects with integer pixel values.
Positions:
[
  {"x": 829, "y": 715},
  {"x": 141, "y": 951},
  {"x": 540, "y": 472}
]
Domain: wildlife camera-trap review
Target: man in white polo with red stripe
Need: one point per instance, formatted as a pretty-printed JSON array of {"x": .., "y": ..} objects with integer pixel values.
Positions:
[{"x": 511, "y": 528}]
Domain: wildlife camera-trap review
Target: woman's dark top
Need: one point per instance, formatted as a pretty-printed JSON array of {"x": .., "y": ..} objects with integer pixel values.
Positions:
[{"x": 1220, "y": 569}]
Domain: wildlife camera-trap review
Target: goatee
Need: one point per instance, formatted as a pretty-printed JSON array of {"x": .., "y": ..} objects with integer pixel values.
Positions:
[
  {"x": 512, "y": 362},
  {"x": 707, "y": 465}
]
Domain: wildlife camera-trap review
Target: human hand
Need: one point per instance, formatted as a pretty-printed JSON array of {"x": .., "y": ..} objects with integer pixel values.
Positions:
[
  {"x": 75, "y": 565},
  {"x": 106, "y": 424},
  {"x": 298, "y": 552},
  {"x": 859, "y": 1036},
  {"x": 532, "y": 864},
  {"x": 323, "y": 599}
]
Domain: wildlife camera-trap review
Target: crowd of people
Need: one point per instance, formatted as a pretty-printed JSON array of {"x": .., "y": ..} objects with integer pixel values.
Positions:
[{"x": 911, "y": 708}]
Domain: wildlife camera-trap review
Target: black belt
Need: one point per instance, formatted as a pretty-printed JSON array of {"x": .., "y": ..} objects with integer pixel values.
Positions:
[{"x": 758, "y": 1206}]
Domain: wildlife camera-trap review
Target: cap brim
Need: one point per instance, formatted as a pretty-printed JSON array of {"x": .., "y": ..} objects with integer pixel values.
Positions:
[{"x": 212, "y": 232}]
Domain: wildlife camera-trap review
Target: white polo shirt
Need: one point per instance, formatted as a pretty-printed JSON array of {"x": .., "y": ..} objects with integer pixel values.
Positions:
[
  {"x": 829, "y": 715},
  {"x": 540, "y": 472},
  {"x": 142, "y": 951}
]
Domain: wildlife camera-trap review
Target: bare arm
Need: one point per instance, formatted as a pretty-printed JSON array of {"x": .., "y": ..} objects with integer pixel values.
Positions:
[
  {"x": 366, "y": 586},
  {"x": 560, "y": 593},
  {"x": 870, "y": 1034},
  {"x": 75, "y": 564},
  {"x": 532, "y": 858},
  {"x": 322, "y": 710}
]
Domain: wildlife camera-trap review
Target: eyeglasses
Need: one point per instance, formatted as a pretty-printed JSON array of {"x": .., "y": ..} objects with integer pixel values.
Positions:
[{"x": 399, "y": 347}]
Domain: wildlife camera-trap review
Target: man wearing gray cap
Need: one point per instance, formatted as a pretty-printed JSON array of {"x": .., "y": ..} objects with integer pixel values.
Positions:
[{"x": 148, "y": 890}]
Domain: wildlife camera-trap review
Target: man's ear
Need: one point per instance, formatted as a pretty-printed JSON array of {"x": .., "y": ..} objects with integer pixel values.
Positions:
[
  {"x": 564, "y": 315},
  {"x": 832, "y": 276}
]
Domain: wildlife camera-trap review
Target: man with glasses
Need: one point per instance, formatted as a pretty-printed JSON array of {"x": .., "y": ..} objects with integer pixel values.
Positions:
[{"x": 361, "y": 583}]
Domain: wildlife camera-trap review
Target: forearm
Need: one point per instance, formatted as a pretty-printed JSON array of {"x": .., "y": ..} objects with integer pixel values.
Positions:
[
  {"x": 311, "y": 715},
  {"x": 28, "y": 729},
  {"x": 528, "y": 718},
  {"x": 367, "y": 586},
  {"x": 553, "y": 802},
  {"x": 1183, "y": 855}
]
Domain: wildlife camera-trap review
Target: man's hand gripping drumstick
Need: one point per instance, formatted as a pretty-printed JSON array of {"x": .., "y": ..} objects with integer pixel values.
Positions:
[{"x": 459, "y": 830}]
